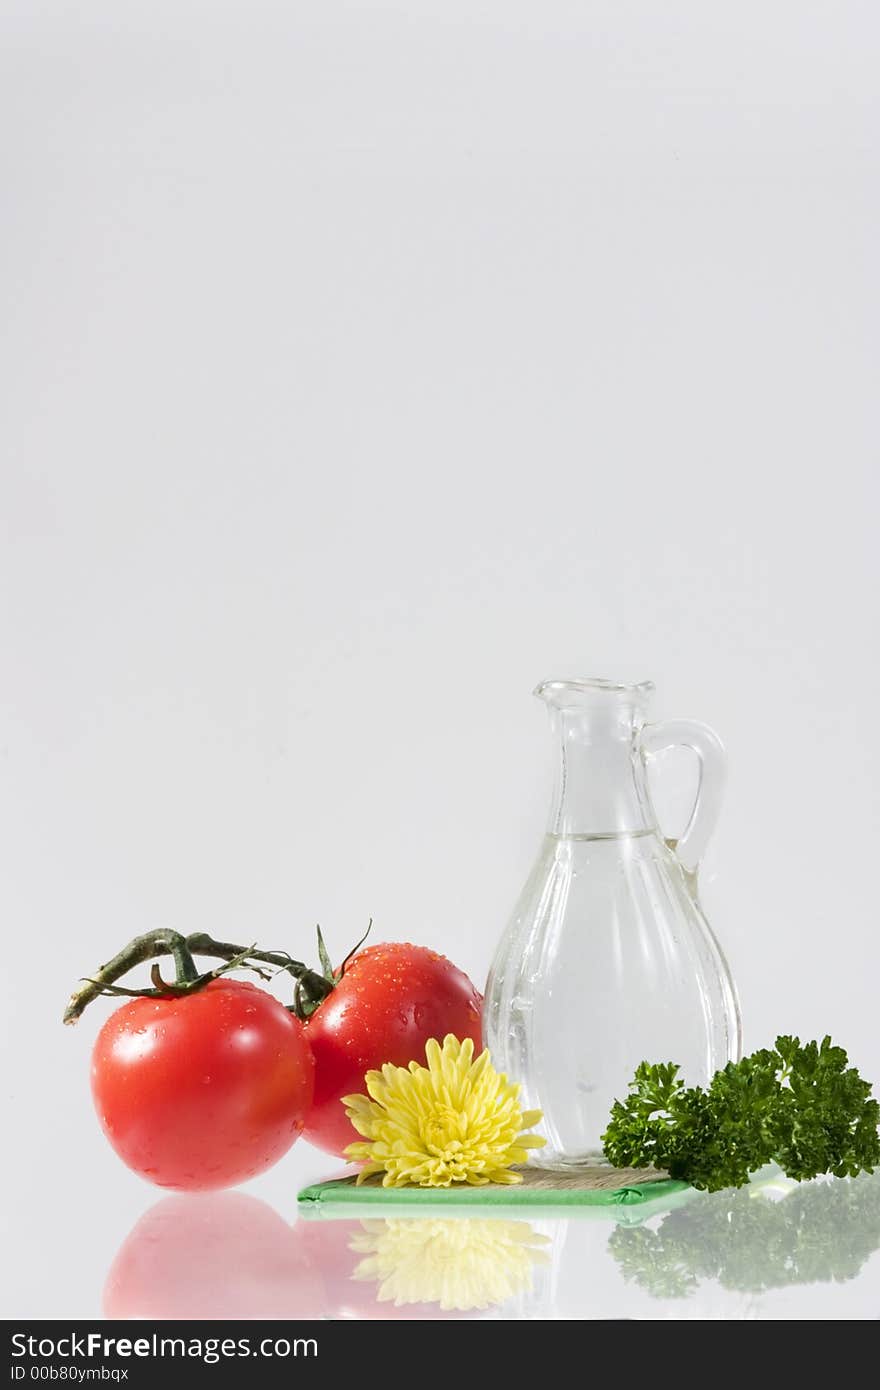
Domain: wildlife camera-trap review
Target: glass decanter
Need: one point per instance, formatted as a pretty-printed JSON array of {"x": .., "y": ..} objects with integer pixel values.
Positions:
[{"x": 608, "y": 959}]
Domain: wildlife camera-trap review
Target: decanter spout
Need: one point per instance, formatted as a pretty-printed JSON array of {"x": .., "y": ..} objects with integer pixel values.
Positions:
[{"x": 600, "y": 788}]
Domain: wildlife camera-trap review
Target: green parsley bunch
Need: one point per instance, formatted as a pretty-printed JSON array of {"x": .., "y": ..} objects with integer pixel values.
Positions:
[{"x": 800, "y": 1107}]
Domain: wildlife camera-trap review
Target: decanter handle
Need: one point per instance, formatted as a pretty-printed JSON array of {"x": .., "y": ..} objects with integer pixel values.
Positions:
[{"x": 688, "y": 733}]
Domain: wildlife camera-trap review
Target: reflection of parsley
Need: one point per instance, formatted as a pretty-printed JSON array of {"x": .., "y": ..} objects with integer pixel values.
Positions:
[
  {"x": 800, "y": 1107},
  {"x": 822, "y": 1232}
]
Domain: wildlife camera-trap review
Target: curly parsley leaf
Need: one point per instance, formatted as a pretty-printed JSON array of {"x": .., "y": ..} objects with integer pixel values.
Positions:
[{"x": 800, "y": 1106}]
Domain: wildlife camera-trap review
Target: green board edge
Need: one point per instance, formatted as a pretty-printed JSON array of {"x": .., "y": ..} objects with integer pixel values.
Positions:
[{"x": 324, "y": 1199}]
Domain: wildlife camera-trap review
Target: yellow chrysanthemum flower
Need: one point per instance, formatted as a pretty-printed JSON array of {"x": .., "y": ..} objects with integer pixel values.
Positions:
[
  {"x": 456, "y": 1120},
  {"x": 459, "y": 1264}
]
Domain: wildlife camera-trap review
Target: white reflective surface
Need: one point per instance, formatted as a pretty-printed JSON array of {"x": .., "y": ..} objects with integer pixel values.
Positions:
[{"x": 115, "y": 1247}]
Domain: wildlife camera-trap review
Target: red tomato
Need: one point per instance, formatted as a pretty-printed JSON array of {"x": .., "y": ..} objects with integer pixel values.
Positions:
[
  {"x": 203, "y": 1090},
  {"x": 390, "y": 1001},
  {"x": 212, "y": 1255}
]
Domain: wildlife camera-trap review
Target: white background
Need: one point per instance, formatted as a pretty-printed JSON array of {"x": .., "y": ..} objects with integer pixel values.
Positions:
[{"x": 362, "y": 365}]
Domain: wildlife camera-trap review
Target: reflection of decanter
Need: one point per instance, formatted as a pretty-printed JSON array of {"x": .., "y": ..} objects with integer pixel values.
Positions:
[{"x": 609, "y": 960}]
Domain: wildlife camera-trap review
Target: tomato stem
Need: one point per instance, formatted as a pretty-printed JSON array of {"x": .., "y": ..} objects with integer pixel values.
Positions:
[
  {"x": 310, "y": 990},
  {"x": 160, "y": 942},
  {"x": 187, "y": 970},
  {"x": 312, "y": 984}
]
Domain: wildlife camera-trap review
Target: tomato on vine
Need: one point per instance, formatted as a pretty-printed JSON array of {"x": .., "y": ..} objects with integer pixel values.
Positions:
[
  {"x": 383, "y": 1007},
  {"x": 203, "y": 1090},
  {"x": 202, "y": 1082}
]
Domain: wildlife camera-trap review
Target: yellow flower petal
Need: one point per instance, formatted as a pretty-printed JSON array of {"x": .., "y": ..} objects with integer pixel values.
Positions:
[
  {"x": 457, "y": 1120},
  {"x": 531, "y": 1117}
]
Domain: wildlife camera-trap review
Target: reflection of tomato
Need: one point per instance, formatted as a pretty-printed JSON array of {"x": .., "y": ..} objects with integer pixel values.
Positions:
[
  {"x": 390, "y": 1001},
  {"x": 203, "y": 1090},
  {"x": 219, "y": 1255}
]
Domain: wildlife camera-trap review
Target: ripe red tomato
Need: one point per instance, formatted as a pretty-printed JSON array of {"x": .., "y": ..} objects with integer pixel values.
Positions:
[
  {"x": 390, "y": 1001},
  {"x": 202, "y": 1090}
]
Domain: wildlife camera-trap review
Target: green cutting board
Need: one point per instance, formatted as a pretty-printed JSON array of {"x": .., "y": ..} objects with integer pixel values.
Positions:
[{"x": 592, "y": 1187}]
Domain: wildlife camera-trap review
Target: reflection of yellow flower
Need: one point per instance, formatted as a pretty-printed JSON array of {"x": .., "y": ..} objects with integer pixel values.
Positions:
[
  {"x": 456, "y": 1120},
  {"x": 460, "y": 1263}
]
